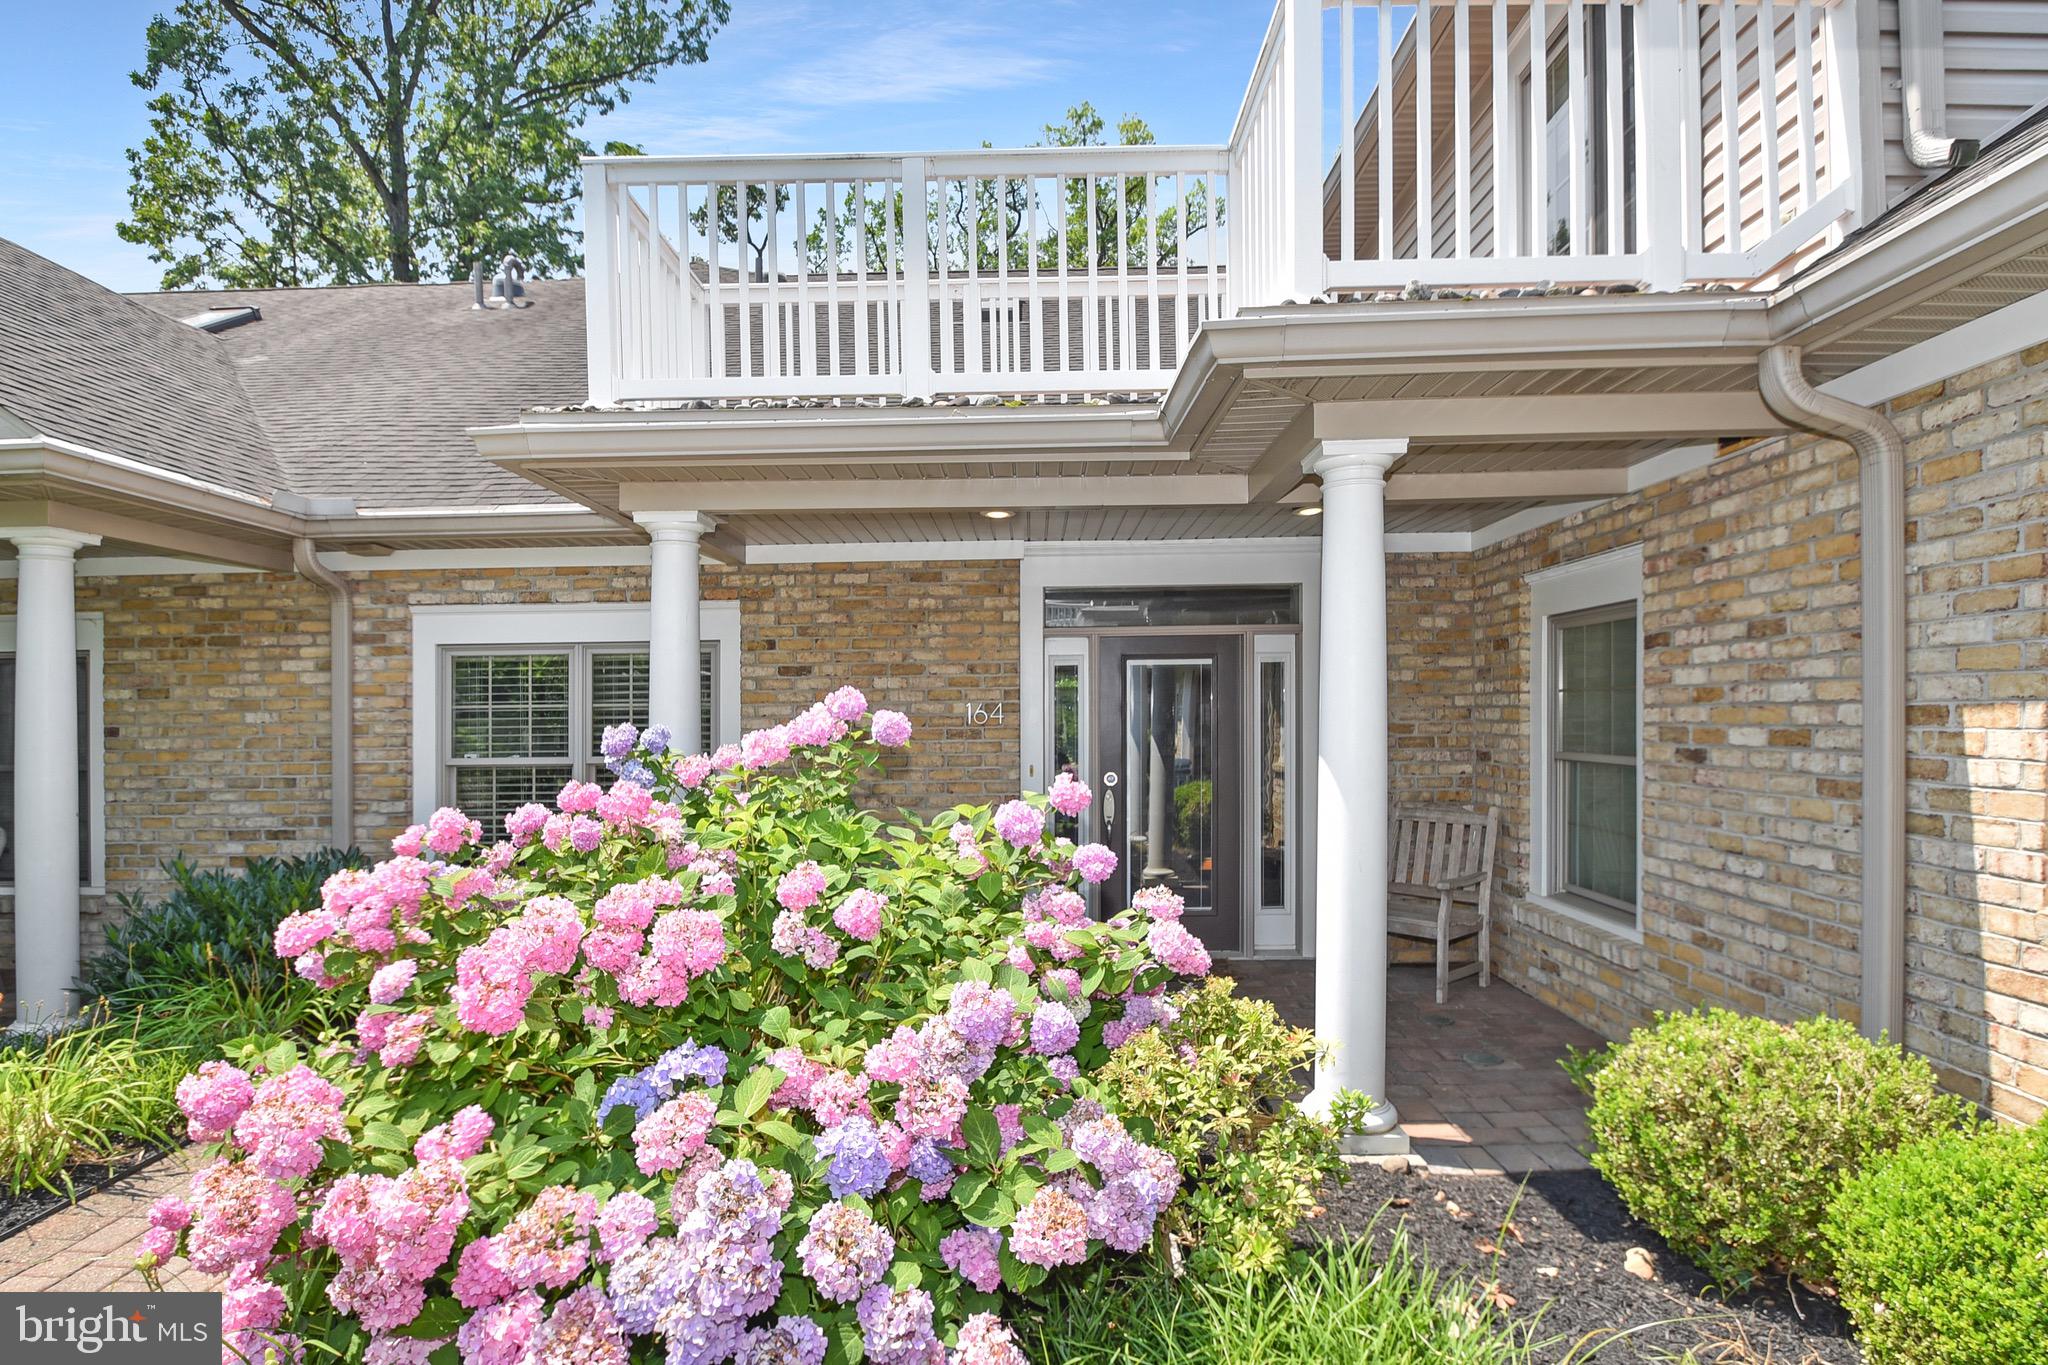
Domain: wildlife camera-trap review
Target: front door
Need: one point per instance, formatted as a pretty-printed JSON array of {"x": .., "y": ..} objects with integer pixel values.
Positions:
[{"x": 1168, "y": 741}]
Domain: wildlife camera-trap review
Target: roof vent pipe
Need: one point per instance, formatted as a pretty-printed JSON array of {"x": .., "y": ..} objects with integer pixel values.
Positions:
[
  {"x": 1881, "y": 452},
  {"x": 508, "y": 287},
  {"x": 340, "y": 687},
  {"x": 1923, "y": 69}
]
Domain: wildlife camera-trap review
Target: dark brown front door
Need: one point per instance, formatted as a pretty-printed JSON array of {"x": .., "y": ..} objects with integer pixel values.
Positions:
[{"x": 1169, "y": 745}]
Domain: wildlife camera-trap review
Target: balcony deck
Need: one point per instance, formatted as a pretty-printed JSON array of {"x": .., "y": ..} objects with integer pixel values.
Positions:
[{"x": 1078, "y": 270}]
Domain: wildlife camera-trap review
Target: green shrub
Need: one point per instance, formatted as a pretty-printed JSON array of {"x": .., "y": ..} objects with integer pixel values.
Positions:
[
  {"x": 1215, "y": 1085},
  {"x": 1729, "y": 1134},
  {"x": 212, "y": 924},
  {"x": 1941, "y": 1251},
  {"x": 1330, "y": 1304}
]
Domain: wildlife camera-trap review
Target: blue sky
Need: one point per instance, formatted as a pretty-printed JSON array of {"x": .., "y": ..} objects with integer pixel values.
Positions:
[{"x": 784, "y": 75}]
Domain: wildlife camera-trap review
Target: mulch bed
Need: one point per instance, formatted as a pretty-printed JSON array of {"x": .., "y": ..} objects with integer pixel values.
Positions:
[
  {"x": 19, "y": 1212},
  {"x": 1562, "y": 1264}
]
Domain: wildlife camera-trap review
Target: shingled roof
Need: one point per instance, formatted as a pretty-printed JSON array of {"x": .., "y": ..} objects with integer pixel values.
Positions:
[
  {"x": 82, "y": 364},
  {"x": 366, "y": 391}
]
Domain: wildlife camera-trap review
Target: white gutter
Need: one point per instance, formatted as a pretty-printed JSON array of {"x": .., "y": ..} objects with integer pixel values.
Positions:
[
  {"x": 341, "y": 686},
  {"x": 1881, "y": 452},
  {"x": 1922, "y": 69}
]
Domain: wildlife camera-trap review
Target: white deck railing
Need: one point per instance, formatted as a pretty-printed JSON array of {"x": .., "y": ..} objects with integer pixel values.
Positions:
[
  {"x": 1652, "y": 142},
  {"x": 1577, "y": 143},
  {"x": 1055, "y": 270}
]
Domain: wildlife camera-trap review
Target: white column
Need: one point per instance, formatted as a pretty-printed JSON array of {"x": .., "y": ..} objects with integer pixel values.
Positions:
[
  {"x": 46, "y": 795},
  {"x": 674, "y": 698},
  {"x": 1351, "y": 784}
]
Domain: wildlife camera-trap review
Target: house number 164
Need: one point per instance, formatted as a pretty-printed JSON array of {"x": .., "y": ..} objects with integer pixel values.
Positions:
[{"x": 978, "y": 714}]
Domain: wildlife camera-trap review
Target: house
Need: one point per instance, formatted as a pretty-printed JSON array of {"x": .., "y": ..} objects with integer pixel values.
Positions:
[{"x": 1680, "y": 491}]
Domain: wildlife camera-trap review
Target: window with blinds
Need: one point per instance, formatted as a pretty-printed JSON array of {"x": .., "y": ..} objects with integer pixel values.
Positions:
[
  {"x": 85, "y": 802},
  {"x": 521, "y": 722},
  {"x": 1594, "y": 749}
]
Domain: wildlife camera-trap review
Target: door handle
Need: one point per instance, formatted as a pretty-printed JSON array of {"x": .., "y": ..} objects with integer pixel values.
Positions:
[{"x": 1108, "y": 803}]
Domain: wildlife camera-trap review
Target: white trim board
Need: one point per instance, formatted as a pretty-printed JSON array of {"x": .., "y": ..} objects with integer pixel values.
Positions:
[
  {"x": 92, "y": 638},
  {"x": 437, "y": 628}
]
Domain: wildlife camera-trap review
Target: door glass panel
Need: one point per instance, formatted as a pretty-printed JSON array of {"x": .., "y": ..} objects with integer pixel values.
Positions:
[
  {"x": 1129, "y": 608},
  {"x": 1170, "y": 758},
  {"x": 1272, "y": 778},
  {"x": 1066, "y": 737}
]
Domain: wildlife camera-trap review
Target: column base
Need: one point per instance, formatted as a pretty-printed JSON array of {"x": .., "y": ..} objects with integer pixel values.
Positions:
[{"x": 1379, "y": 1135}]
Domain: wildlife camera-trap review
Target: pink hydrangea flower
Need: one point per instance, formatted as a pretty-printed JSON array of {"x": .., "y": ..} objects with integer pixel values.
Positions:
[
  {"x": 498, "y": 1333},
  {"x": 1094, "y": 862},
  {"x": 237, "y": 1214},
  {"x": 693, "y": 771},
  {"x": 1159, "y": 902},
  {"x": 859, "y": 915},
  {"x": 597, "y": 1016},
  {"x": 303, "y": 930},
  {"x": 577, "y": 798},
  {"x": 525, "y": 822},
  {"x": 408, "y": 842},
  {"x": 392, "y": 980},
  {"x": 891, "y": 729},
  {"x": 1051, "y": 1230},
  {"x": 449, "y": 831},
  {"x": 800, "y": 887},
  {"x": 212, "y": 1098},
  {"x": 845, "y": 1251},
  {"x": 1069, "y": 795},
  {"x": 675, "y": 1132},
  {"x": 1176, "y": 948},
  {"x": 290, "y": 1116},
  {"x": 974, "y": 1254},
  {"x": 764, "y": 748},
  {"x": 459, "y": 1139},
  {"x": 815, "y": 728},
  {"x": 627, "y": 1219},
  {"x": 626, "y": 806},
  {"x": 846, "y": 704},
  {"x": 1020, "y": 823},
  {"x": 986, "y": 1340}
]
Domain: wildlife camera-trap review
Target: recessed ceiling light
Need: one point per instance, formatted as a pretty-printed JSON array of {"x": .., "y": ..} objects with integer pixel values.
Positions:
[
  {"x": 1314, "y": 509},
  {"x": 996, "y": 514}
]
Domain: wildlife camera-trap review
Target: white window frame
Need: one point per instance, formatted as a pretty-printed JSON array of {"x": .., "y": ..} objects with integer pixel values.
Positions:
[
  {"x": 92, "y": 638},
  {"x": 1599, "y": 581},
  {"x": 1273, "y": 926},
  {"x": 438, "y": 631}
]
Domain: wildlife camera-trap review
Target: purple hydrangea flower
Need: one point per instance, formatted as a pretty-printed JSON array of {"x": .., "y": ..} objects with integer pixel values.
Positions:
[{"x": 859, "y": 1165}]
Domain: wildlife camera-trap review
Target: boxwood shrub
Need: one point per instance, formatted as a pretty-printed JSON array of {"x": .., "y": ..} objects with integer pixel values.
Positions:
[
  {"x": 1730, "y": 1134},
  {"x": 1941, "y": 1252}
]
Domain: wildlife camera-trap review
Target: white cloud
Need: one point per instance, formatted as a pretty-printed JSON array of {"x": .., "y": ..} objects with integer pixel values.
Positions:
[{"x": 916, "y": 63}]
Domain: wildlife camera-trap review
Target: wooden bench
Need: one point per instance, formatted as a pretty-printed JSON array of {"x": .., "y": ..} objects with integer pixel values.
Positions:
[{"x": 1440, "y": 883}]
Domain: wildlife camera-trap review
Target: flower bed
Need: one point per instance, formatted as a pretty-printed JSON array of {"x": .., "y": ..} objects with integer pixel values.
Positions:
[{"x": 711, "y": 1065}]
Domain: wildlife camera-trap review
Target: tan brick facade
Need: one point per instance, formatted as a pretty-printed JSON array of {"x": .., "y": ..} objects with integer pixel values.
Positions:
[
  {"x": 1752, "y": 733},
  {"x": 216, "y": 695}
]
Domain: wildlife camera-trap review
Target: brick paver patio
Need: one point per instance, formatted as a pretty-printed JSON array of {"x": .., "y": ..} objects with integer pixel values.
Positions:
[
  {"x": 1476, "y": 1079},
  {"x": 91, "y": 1245}
]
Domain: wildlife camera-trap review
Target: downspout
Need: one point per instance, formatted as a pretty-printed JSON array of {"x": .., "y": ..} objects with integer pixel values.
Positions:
[
  {"x": 1922, "y": 72},
  {"x": 341, "y": 686},
  {"x": 1881, "y": 452}
]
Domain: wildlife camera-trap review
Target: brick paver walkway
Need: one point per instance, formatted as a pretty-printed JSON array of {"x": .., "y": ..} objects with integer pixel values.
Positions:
[
  {"x": 1475, "y": 1079},
  {"x": 91, "y": 1245}
]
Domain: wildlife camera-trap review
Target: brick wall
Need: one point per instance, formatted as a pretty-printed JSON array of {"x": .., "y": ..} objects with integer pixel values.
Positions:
[
  {"x": 216, "y": 697},
  {"x": 1752, "y": 733}
]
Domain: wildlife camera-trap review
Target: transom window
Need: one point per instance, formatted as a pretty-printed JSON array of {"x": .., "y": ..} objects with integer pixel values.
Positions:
[
  {"x": 1594, "y": 752},
  {"x": 520, "y": 723}
]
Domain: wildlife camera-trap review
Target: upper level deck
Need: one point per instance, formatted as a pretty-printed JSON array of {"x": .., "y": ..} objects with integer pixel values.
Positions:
[{"x": 1651, "y": 144}]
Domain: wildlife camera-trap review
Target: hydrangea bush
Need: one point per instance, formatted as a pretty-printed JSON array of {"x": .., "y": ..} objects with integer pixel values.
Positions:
[{"x": 707, "y": 1066}]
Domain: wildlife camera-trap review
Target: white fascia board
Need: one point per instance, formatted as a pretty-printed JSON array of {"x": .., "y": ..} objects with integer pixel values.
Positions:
[{"x": 1977, "y": 342}]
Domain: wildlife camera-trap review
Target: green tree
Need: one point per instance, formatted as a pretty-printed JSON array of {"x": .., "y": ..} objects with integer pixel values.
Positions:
[
  {"x": 1001, "y": 222},
  {"x": 299, "y": 142}
]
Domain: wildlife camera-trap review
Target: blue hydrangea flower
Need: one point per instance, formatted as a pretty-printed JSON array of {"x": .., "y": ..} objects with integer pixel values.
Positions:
[
  {"x": 927, "y": 1163},
  {"x": 632, "y": 770},
  {"x": 633, "y": 1091},
  {"x": 859, "y": 1165},
  {"x": 619, "y": 740},
  {"x": 657, "y": 739}
]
